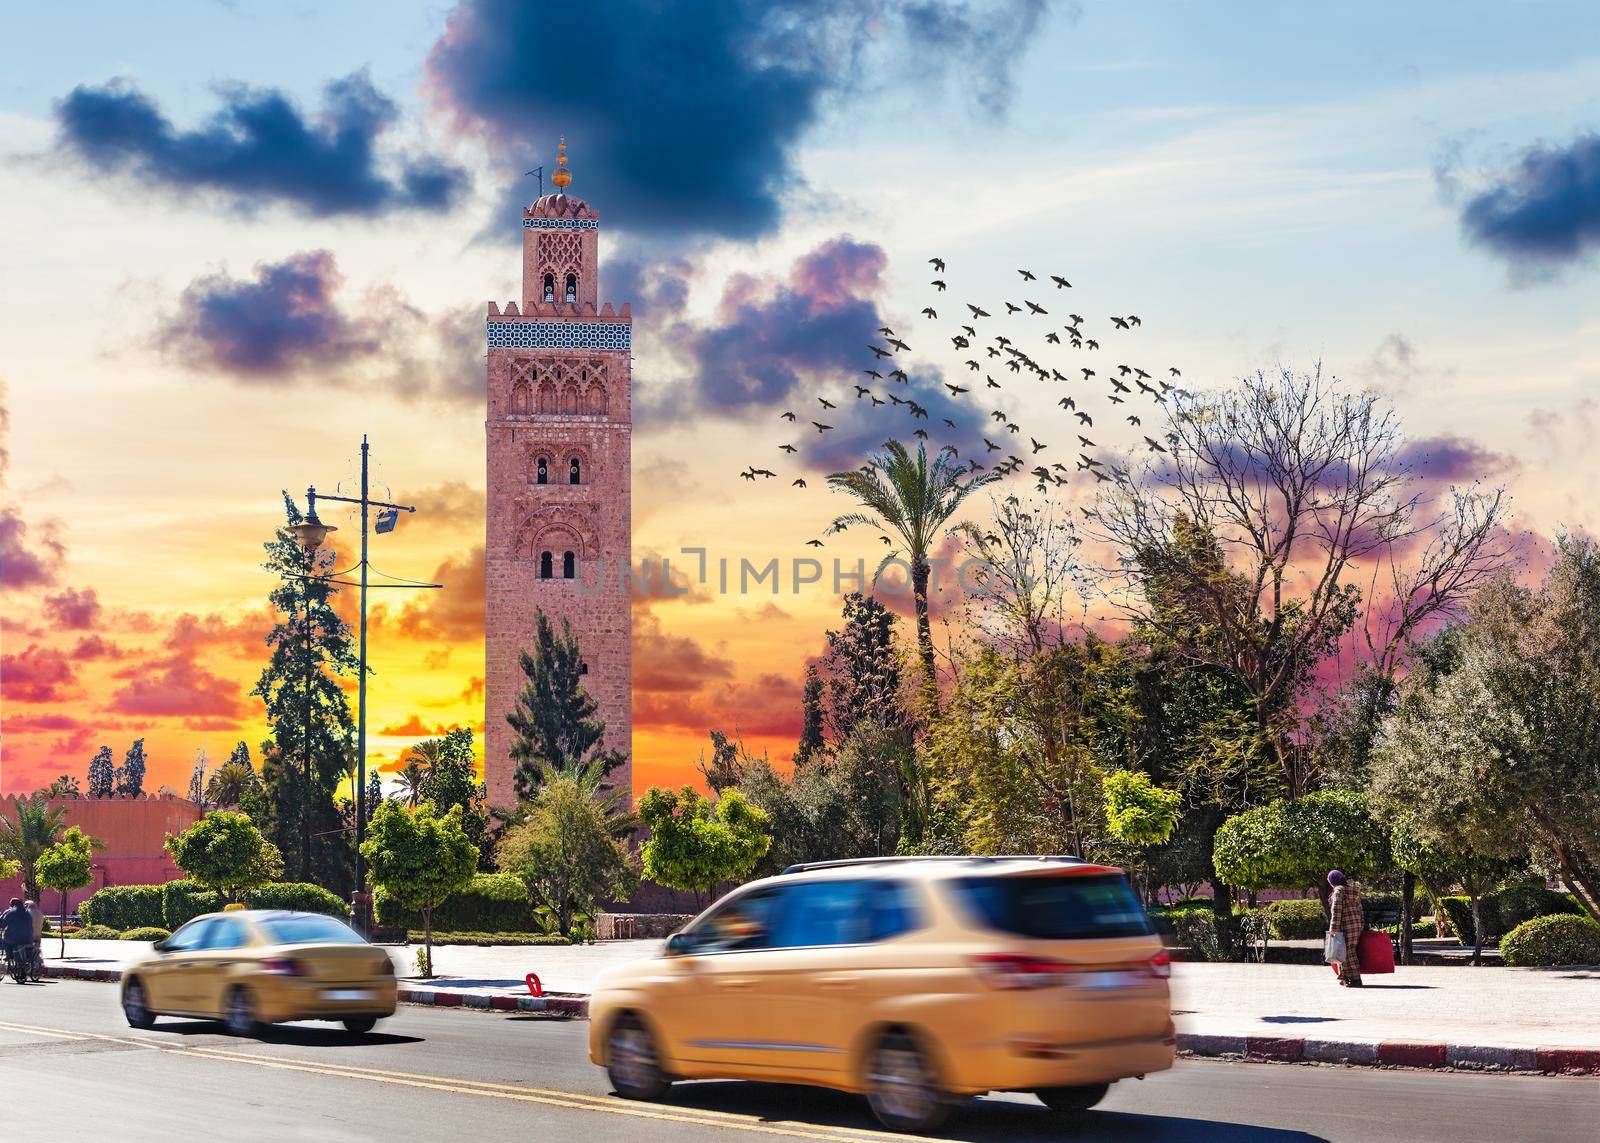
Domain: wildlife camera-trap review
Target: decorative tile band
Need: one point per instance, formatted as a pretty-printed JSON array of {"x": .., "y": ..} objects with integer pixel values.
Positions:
[
  {"x": 560, "y": 335},
  {"x": 561, "y": 223}
]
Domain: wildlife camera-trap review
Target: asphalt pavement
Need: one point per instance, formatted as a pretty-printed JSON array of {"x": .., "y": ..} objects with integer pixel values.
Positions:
[{"x": 69, "y": 1063}]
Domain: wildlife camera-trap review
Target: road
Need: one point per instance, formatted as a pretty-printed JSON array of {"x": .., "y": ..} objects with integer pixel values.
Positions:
[{"x": 68, "y": 1060}]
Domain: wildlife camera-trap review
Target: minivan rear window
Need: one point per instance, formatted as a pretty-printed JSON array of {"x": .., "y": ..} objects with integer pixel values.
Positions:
[{"x": 1067, "y": 907}]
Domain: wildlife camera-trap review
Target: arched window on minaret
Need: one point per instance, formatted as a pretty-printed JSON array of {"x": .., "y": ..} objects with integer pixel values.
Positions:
[
  {"x": 549, "y": 287},
  {"x": 544, "y": 472},
  {"x": 569, "y": 565},
  {"x": 572, "y": 287},
  {"x": 546, "y": 565},
  {"x": 575, "y": 472},
  {"x": 520, "y": 397}
]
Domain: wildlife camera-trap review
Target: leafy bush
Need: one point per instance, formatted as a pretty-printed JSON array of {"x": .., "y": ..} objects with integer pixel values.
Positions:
[
  {"x": 97, "y": 933},
  {"x": 183, "y": 901},
  {"x": 300, "y": 895},
  {"x": 1458, "y": 912},
  {"x": 1419, "y": 929},
  {"x": 491, "y": 903},
  {"x": 123, "y": 907},
  {"x": 1196, "y": 930},
  {"x": 1505, "y": 909},
  {"x": 1297, "y": 920},
  {"x": 486, "y": 939},
  {"x": 1556, "y": 939},
  {"x": 146, "y": 933}
]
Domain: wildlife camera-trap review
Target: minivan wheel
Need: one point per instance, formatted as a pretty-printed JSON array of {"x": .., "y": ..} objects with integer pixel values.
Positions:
[
  {"x": 632, "y": 1061},
  {"x": 902, "y": 1089},
  {"x": 241, "y": 1017},
  {"x": 1066, "y": 1100},
  {"x": 360, "y": 1025},
  {"x": 133, "y": 1005}
]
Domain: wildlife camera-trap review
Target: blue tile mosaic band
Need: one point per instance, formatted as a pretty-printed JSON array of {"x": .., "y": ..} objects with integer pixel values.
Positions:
[
  {"x": 560, "y": 335},
  {"x": 561, "y": 224}
]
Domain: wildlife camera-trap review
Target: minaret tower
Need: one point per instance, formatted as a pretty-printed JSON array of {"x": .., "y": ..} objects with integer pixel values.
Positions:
[{"x": 559, "y": 435}]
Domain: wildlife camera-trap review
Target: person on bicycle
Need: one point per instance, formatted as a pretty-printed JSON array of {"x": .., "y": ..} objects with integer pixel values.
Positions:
[
  {"x": 36, "y": 952},
  {"x": 16, "y": 928}
]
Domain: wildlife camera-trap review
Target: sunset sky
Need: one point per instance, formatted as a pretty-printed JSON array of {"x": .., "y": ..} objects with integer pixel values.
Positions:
[{"x": 237, "y": 237}]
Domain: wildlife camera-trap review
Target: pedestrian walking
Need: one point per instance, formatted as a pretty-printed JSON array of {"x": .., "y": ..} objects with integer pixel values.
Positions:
[{"x": 1344, "y": 910}]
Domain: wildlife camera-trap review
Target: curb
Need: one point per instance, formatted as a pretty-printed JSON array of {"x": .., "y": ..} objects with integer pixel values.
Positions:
[
  {"x": 570, "y": 1005},
  {"x": 1392, "y": 1054}
]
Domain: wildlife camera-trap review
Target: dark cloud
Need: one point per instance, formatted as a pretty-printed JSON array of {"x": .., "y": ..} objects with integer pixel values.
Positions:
[
  {"x": 260, "y": 148},
  {"x": 673, "y": 664},
  {"x": 1545, "y": 211},
  {"x": 290, "y": 322},
  {"x": 684, "y": 115},
  {"x": 26, "y": 562},
  {"x": 452, "y": 614},
  {"x": 1451, "y": 459}
]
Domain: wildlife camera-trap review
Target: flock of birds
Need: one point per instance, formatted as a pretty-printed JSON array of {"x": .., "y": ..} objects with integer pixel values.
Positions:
[{"x": 1118, "y": 393}]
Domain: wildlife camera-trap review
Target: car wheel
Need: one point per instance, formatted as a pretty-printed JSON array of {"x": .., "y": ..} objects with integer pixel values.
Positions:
[
  {"x": 632, "y": 1061},
  {"x": 241, "y": 1016},
  {"x": 902, "y": 1089},
  {"x": 1067, "y": 1100},
  {"x": 360, "y": 1025},
  {"x": 134, "y": 1005}
]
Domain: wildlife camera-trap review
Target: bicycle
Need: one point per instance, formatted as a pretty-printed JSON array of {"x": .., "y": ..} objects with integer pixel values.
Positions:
[
  {"x": 36, "y": 962},
  {"x": 17, "y": 963}
]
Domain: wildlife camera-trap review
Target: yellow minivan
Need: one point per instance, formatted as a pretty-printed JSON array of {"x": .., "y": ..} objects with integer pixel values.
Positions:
[{"x": 918, "y": 982}]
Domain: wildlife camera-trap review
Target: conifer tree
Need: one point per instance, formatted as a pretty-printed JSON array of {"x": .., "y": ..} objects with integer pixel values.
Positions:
[
  {"x": 130, "y": 775},
  {"x": 102, "y": 774},
  {"x": 554, "y": 719},
  {"x": 811, "y": 741}
]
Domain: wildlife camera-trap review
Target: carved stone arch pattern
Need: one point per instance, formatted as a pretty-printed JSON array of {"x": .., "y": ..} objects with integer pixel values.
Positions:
[
  {"x": 559, "y": 455},
  {"x": 556, "y": 528}
]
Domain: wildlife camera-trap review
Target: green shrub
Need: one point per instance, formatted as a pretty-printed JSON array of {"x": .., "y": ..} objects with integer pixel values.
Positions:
[
  {"x": 1556, "y": 939},
  {"x": 97, "y": 933},
  {"x": 1419, "y": 929},
  {"x": 146, "y": 933},
  {"x": 1458, "y": 911},
  {"x": 1196, "y": 930},
  {"x": 1191, "y": 903},
  {"x": 1297, "y": 920},
  {"x": 1387, "y": 908},
  {"x": 491, "y": 903},
  {"x": 183, "y": 901},
  {"x": 486, "y": 939},
  {"x": 300, "y": 895},
  {"x": 1505, "y": 909},
  {"x": 123, "y": 907}
]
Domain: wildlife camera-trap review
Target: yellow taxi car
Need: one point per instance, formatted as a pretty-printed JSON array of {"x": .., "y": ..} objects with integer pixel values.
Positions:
[
  {"x": 918, "y": 982},
  {"x": 254, "y": 967}
]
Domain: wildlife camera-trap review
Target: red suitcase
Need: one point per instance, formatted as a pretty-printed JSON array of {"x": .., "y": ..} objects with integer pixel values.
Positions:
[{"x": 1376, "y": 952}]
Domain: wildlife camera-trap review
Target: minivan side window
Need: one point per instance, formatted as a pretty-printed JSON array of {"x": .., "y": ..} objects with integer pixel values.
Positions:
[
  {"x": 190, "y": 936},
  {"x": 894, "y": 910},
  {"x": 740, "y": 924}
]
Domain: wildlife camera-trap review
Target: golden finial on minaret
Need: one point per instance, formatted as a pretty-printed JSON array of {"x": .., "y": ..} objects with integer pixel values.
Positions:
[{"x": 562, "y": 177}]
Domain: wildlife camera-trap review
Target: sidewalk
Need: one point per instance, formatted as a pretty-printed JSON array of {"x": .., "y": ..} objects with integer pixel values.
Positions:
[{"x": 1427, "y": 1016}]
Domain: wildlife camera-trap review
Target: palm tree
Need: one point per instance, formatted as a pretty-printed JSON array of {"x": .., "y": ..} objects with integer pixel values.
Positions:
[
  {"x": 229, "y": 784},
  {"x": 35, "y": 829},
  {"x": 410, "y": 778},
  {"x": 913, "y": 500}
]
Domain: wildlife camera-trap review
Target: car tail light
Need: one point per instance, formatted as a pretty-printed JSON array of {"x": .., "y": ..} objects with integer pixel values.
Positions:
[
  {"x": 1019, "y": 971},
  {"x": 1161, "y": 964},
  {"x": 385, "y": 967},
  {"x": 282, "y": 966}
]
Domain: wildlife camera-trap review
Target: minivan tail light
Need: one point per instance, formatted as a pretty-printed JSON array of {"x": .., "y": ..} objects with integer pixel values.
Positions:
[
  {"x": 1161, "y": 964},
  {"x": 1019, "y": 971},
  {"x": 282, "y": 966}
]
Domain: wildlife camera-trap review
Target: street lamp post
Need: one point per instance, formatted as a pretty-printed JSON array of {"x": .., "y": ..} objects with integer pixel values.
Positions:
[{"x": 311, "y": 532}]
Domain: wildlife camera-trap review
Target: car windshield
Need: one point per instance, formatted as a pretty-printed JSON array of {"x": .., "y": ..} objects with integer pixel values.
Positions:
[
  {"x": 310, "y": 929},
  {"x": 1063, "y": 907}
]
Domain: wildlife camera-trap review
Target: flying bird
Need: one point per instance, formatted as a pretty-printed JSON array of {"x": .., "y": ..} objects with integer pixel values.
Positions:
[
  {"x": 938, "y": 283},
  {"x": 1061, "y": 283},
  {"x": 976, "y": 312},
  {"x": 788, "y": 448},
  {"x": 797, "y": 482},
  {"x": 813, "y": 543},
  {"x": 930, "y": 311},
  {"x": 1027, "y": 276},
  {"x": 826, "y": 404},
  {"x": 955, "y": 390},
  {"x": 937, "y": 264},
  {"x": 821, "y": 428},
  {"x": 1034, "y": 306},
  {"x": 787, "y": 416}
]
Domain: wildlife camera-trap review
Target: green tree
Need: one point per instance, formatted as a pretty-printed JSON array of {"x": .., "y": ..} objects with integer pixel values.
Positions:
[
  {"x": 419, "y": 858},
  {"x": 1293, "y": 843},
  {"x": 231, "y": 785},
  {"x": 554, "y": 718},
  {"x": 310, "y": 747},
  {"x": 696, "y": 844},
  {"x": 102, "y": 774},
  {"x": 1441, "y": 869},
  {"x": 409, "y": 780},
  {"x": 567, "y": 850},
  {"x": 914, "y": 501},
  {"x": 25, "y": 837},
  {"x": 844, "y": 806},
  {"x": 1497, "y": 754},
  {"x": 65, "y": 866},
  {"x": 130, "y": 775},
  {"x": 726, "y": 766},
  {"x": 811, "y": 744},
  {"x": 1138, "y": 812},
  {"x": 63, "y": 786},
  {"x": 225, "y": 851},
  {"x": 451, "y": 779},
  {"x": 199, "y": 780}
]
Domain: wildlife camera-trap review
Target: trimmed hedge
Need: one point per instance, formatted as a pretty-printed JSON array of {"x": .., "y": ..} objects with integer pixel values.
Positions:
[
  {"x": 1506, "y": 909},
  {"x": 1297, "y": 920},
  {"x": 183, "y": 901},
  {"x": 96, "y": 933},
  {"x": 1458, "y": 912},
  {"x": 491, "y": 903},
  {"x": 1555, "y": 939},
  {"x": 146, "y": 933},
  {"x": 1196, "y": 930},
  {"x": 298, "y": 895},
  {"x": 488, "y": 939},
  {"x": 123, "y": 907}
]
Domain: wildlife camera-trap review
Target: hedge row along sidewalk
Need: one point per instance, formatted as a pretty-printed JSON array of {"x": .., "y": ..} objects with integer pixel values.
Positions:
[{"x": 1568, "y": 1061}]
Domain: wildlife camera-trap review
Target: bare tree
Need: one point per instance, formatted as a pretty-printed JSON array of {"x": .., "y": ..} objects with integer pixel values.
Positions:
[
  {"x": 1242, "y": 542},
  {"x": 1026, "y": 577}
]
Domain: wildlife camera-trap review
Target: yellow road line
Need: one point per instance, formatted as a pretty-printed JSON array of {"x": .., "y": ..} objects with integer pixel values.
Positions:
[{"x": 570, "y": 1100}]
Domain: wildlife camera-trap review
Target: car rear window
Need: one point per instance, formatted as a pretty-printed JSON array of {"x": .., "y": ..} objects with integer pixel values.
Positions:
[
  {"x": 310, "y": 929},
  {"x": 1063, "y": 907}
]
